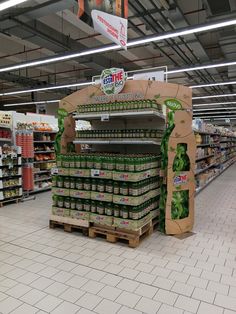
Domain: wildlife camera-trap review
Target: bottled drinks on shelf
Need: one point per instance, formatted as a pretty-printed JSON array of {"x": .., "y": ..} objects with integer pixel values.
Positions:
[
  {"x": 122, "y": 133},
  {"x": 120, "y": 106}
]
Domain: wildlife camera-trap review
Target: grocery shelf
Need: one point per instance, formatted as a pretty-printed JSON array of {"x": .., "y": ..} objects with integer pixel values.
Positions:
[
  {"x": 44, "y": 142},
  {"x": 211, "y": 133},
  {"x": 121, "y": 114},
  {"x": 52, "y": 132},
  {"x": 14, "y": 165},
  {"x": 11, "y": 187},
  {"x": 10, "y": 177},
  {"x": 44, "y": 161},
  {"x": 44, "y": 151},
  {"x": 117, "y": 141},
  {"x": 209, "y": 144},
  {"x": 42, "y": 171},
  {"x": 42, "y": 179},
  {"x": 40, "y": 190},
  {"x": 204, "y": 169},
  {"x": 198, "y": 190},
  {"x": 2, "y": 139},
  {"x": 207, "y": 156}
]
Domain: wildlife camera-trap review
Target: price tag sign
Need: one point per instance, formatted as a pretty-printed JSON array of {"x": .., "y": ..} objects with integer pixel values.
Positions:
[
  {"x": 105, "y": 117},
  {"x": 95, "y": 172},
  {"x": 54, "y": 170}
]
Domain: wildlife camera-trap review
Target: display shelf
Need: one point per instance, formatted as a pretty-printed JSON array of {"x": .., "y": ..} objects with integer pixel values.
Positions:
[
  {"x": 209, "y": 144},
  {"x": 50, "y": 132},
  {"x": 204, "y": 169},
  {"x": 198, "y": 190},
  {"x": 122, "y": 114},
  {"x": 40, "y": 190},
  {"x": 204, "y": 157},
  {"x": 2, "y": 139},
  {"x": 35, "y": 141},
  {"x": 10, "y": 174},
  {"x": 10, "y": 187},
  {"x": 206, "y": 133},
  {"x": 116, "y": 141},
  {"x": 43, "y": 161},
  {"x": 42, "y": 171},
  {"x": 44, "y": 151},
  {"x": 43, "y": 179}
]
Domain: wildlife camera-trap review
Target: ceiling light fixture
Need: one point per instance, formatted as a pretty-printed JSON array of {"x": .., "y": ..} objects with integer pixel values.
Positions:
[
  {"x": 32, "y": 103},
  {"x": 10, "y": 3},
  {"x": 214, "y": 96},
  {"x": 213, "y": 84},
  {"x": 214, "y": 104},
  {"x": 201, "y": 67},
  {"x": 146, "y": 40},
  {"x": 45, "y": 89}
]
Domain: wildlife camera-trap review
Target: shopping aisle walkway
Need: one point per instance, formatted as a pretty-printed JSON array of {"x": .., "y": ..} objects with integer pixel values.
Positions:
[{"x": 49, "y": 271}]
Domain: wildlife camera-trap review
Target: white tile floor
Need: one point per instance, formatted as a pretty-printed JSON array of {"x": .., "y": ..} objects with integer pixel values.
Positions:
[{"x": 50, "y": 271}]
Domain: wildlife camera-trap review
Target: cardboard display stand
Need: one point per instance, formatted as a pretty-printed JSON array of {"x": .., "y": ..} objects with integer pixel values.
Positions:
[{"x": 175, "y": 97}]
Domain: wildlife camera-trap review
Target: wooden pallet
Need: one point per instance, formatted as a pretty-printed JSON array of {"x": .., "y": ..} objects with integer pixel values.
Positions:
[
  {"x": 11, "y": 200},
  {"x": 155, "y": 222},
  {"x": 113, "y": 235},
  {"x": 68, "y": 227}
]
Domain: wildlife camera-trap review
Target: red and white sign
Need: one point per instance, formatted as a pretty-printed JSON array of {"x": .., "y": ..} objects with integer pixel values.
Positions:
[{"x": 111, "y": 26}]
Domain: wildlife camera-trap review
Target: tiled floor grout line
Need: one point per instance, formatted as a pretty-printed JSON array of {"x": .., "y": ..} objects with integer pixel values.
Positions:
[
  {"x": 116, "y": 285},
  {"x": 209, "y": 255}
]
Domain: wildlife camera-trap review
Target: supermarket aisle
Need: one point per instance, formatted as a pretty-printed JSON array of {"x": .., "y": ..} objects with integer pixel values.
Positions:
[{"x": 49, "y": 271}]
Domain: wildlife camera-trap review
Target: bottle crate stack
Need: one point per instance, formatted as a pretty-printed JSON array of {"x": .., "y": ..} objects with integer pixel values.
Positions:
[{"x": 108, "y": 189}]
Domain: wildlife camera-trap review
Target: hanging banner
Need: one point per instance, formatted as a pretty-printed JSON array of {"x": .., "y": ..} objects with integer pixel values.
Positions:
[
  {"x": 115, "y": 7},
  {"x": 111, "y": 26}
]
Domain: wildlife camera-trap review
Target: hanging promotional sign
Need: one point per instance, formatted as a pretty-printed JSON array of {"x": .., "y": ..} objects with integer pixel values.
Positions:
[
  {"x": 115, "y": 7},
  {"x": 112, "y": 81},
  {"x": 111, "y": 26}
]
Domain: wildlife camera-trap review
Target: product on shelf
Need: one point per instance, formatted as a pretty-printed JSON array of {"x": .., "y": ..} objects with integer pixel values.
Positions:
[
  {"x": 24, "y": 139},
  {"x": 4, "y": 133},
  {"x": 213, "y": 159},
  {"x": 10, "y": 172},
  {"x": 129, "y": 133},
  {"x": 120, "y": 106},
  {"x": 103, "y": 186},
  {"x": 108, "y": 161},
  {"x": 36, "y": 126}
]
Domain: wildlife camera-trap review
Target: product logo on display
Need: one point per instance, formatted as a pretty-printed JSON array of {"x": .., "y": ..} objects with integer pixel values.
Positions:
[
  {"x": 181, "y": 179},
  {"x": 112, "y": 81},
  {"x": 173, "y": 104}
]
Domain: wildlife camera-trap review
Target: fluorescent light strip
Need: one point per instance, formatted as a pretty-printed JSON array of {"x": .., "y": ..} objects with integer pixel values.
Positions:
[
  {"x": 212, "y": 109},
  {"x": 201, "y": 67},
  {"x": 214, "y": 96},
  {"x": 213, "y": 84},
  {"x": 214, "y": 104},
  {"x": 181, "y": 32},
  {"x": 10, "y": 3},
  {"x": 212, "y": 113},
  {"x": 32, "y": 103},
  {"x": 45, "y": 89}
]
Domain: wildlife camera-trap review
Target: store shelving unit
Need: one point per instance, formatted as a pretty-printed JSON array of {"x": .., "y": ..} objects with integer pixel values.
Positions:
[
  {"x": 43, "y": 146},
  {"x": 120, "y": 126},
  {"x": 217, "y": 162},
  {"x": 10, "y": 175}
]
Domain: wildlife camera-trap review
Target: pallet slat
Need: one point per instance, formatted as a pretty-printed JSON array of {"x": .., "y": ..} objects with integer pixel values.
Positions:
[
  {"x": 67, "y": 227},
  {"x": 113, "y": 236},
  {"x": 12, "y": 200}
]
